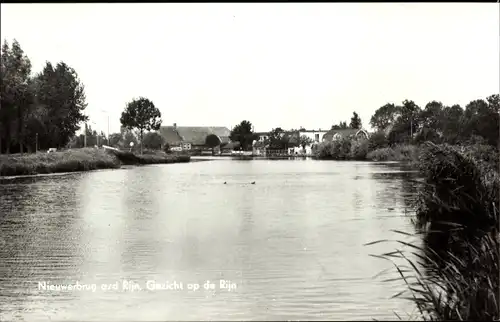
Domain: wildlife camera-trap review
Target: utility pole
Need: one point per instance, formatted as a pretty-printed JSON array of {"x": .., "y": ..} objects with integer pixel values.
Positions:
[
  {"x": 36, "y": 143},
  {"x": 108, "y": 131},
  {"x": 411, "y": 126}
]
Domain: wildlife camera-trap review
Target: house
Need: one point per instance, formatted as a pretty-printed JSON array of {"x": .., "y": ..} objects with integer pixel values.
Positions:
[
  {"x": 336, "y": 134},
  {"x": 192, "y": 137},
  {"x": 315, "y": 135}
]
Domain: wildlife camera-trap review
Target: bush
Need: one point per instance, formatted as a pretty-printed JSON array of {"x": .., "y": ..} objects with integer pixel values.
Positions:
[
  {"x": 334, "y": 150},
  {"x": 359, "y": 149},
  {"x": 401, "y": 152},
  {"x": 378, "y": 140},
  {"x": 459, "y": 205}
]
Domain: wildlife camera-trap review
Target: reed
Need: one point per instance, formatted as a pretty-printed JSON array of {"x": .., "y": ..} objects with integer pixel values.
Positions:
[
  {"x": 64, "y": 161},
  {"x": 454, "y": 275}
]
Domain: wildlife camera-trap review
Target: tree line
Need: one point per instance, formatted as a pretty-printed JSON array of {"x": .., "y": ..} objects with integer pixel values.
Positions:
[
  {"x": 37, "y": 111},
  {"x": 478, "y": 122},
  {"x": 46, "y": 109}
]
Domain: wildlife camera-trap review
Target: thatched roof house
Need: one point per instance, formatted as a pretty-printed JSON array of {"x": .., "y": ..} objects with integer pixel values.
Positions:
[
  {"x": 335, "y": 134},
  {"x": 194, "y": 135}
]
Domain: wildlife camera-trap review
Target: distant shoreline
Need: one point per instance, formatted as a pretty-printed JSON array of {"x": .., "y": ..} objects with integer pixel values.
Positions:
[{"x": 78, "y": 160}]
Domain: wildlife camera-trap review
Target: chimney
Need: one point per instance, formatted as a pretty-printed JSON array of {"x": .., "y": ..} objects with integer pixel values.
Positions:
[{"x": 175, "y": 125}]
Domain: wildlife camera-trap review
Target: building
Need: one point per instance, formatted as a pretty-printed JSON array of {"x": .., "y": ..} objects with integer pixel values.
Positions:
[
  {"x": 192, "y": 137},
  {"x": 336, "y": 134},
  {"x": 315, "y": 135}
]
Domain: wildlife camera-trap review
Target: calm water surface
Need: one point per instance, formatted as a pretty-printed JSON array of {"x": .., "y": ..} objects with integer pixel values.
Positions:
[{"x": 291, "y": 244}]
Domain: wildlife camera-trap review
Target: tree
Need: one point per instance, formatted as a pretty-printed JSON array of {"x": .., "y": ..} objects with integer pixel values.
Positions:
[
  {"x": 451, "y": 124},
  {"x": 377, "y": 140},
  {"x": 62, "y": 96},
  {"x": 114, "y": 139},
  {"x": 340, "y": 126},
  {"x": 384, "y": 116},
  {"x": 355, "y": 121},
  {"x": 16, "y": 94},
  {"x": 244, "y": 134},
  {"x": 141, "y": 114},
  {"x": 212, "y": 141},
  {"x": 407, "y": 124},
  {"x": 153, "y": 140},
  {"x": 278, "y": 139},
  {"x": 304, "y": 141},
  {"x": 481, "y": 119},
  {"x": 432, "y": 115}
]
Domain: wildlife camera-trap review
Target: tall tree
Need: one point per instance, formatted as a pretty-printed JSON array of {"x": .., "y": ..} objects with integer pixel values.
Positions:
[
  {"x": 452, "y": 123},
  {"x": 141, "y": 114},
  {"x": 16, "y": 94},
  {"x": 384, "y": 116},
  {"x": 481, "y": 119},
  {"x": 355, "y": 121},
  {"x": 244, "y": 134},
  {"x": 61, "y": 93},
  {"x": 432, "y": 115},
  {"x": 407, "y": 124}
]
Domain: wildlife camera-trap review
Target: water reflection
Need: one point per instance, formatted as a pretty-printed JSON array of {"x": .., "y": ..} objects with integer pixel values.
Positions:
[{"x": 292, "y": 242}]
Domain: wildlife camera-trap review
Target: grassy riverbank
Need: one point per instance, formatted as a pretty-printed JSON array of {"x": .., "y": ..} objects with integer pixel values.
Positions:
[
  {"x": 78, "y": 160},
  {"x": 361, "y": 150},
  {"x": 456, "y": 274}
]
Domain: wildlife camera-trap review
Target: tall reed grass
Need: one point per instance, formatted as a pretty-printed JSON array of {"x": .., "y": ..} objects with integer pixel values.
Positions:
[
  {"x": 84, "y": 159},
  {"x": 456, "y": 274},
  {"x": 64, "y": 161}
]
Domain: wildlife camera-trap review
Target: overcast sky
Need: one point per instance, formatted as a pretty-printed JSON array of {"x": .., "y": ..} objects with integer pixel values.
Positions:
[{"x": 285, "y": 65}]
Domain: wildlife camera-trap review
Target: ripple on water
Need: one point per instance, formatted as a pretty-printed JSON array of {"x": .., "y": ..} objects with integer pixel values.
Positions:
[{"x": 292, "y": 243}]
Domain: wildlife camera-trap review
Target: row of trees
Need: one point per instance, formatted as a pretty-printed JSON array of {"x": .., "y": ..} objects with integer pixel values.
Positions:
[
  {"x": 43, "y": 110},
  {"x": 408, "y": 123}
]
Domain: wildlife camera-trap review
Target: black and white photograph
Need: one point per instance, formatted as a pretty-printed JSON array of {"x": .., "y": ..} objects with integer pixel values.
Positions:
[{"x": 250, "y": 161}]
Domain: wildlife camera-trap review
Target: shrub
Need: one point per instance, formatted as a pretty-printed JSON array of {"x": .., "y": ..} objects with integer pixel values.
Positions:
[
  {"x": 382, "y": 154},
  {"x": 401, "y": 152},
  {"x": 359, "y": 149},
  {"x": 378, "y": 140},
  {"x": 457, "y": 276},
  {"x": 335, "y": 150}
]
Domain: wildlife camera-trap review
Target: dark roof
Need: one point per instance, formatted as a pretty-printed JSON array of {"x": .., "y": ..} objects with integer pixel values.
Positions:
[
  {"x": 195, "y": 135},
  {"x": 170, "y": 135},
  {"x": 343, "y": 132}
]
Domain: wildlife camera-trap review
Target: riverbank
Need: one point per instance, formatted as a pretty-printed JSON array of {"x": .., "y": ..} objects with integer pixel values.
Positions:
[
  {"x": 456, "y": 277},
  {"x": 74, "y": 160}
]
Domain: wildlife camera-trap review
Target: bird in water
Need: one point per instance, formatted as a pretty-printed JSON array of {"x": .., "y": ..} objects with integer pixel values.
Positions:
[
  {"x": 225, "y": 182},
  {"x": 253, "y": 182}
]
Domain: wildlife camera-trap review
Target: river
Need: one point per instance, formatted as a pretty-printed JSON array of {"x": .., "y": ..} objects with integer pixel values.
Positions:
[{"x": 289, "y": 247}]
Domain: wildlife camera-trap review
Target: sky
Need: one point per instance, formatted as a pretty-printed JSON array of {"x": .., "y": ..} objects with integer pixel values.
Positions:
[{"x": 275, "y": 64}]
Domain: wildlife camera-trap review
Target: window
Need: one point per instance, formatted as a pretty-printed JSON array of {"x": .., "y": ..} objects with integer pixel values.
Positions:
[{"x": 316, "y": 137}]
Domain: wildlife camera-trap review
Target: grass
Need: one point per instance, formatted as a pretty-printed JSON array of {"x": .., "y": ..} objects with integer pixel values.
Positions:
[
  {"x": 397, "y": 153},
  {"x": 57, "y": 162},
  {"x": 73, "y": 160},
  {"x": 456, "y": 274},
  {"x": 150, "y": 157}
]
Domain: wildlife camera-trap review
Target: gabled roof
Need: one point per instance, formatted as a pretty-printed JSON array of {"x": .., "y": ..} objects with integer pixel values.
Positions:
[
  {"x": 342, "y": 132},
  {"x": 170, "y": 135},
  {"x": 195, "y": 135}
]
